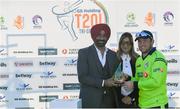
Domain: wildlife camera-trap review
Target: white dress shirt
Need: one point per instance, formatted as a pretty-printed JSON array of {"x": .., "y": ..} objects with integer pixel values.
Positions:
[
  {"x": 127, "y": 70},
  {"x": 102, "y": 57}
]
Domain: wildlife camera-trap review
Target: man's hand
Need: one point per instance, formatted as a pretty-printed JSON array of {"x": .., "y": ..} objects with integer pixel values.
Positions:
[
  {"x": 122, "y": 79},
  {"x": 110, "y": 83}
]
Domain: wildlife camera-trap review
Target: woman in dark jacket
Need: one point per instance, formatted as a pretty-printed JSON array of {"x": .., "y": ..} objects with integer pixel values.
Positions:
[{"x": 127, "y": 58}]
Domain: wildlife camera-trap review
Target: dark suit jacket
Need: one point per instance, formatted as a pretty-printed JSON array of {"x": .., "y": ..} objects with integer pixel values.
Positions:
[{"x": 91, "y": 74}]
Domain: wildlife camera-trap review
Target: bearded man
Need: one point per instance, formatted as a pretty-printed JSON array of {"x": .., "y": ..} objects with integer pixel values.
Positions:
[{"x": 96, "y": 66}]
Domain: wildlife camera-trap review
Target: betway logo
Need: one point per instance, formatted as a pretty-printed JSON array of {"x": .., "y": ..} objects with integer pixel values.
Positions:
[
  {"x": 172, "y": 84},
  {"x": 23, "y": 75},
  {"x": 47, "y": 63},
  {"x": 172, "y": 61}
]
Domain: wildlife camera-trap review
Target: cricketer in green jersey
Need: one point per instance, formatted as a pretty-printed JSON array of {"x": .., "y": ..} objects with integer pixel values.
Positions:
[{"x": 151, "y": 73}]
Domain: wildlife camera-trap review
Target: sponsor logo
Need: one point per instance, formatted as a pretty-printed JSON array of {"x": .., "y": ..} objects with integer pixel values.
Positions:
[
  {"x": 150, "y": 19},
  {"x": 23, "y": 99},
  {"x": 2, "y": 64},
  {"x": 47, "y": 98},
  {"x": 2, "y": 20},
  {"x": 23, "y": 64},
  {"x": 1, "y": 50},
  {"x": 70, "y": 74},
  {"x": 71, "y": 62},
  {"x": 3, "y": 99},
  {"x": 51, "y": 87},
  {"x": 140, "y": 74},
  {"x": 3, "y": 53},
  {"x": 37, "y": 20},
  {"x": 174, "y": 72},
  {"x": 19, "y": 22},
  {"x": 3, "y": 88},
  {"x": 2, "y": 23},
  {"x": 71, "y": 86},
  {"x": 172, "y": 61},
  {"x": 64, "y": 51},
  {"x": 3, "y": 76},
  {"x": 23, "y": 87},
  {"x": 70, "y": 51},
  {"x": 172, "y": 84},
  {"x": 23, "y": 52},
  {"x": 65, "y": 97},
  {"x": 48, "y": 74},
  {"x": 70, "y": 97},
  {"x": 146, "y": 65},
  {"x": 173, "y": 95},
  {"x": 47, "y": 51},
  {"x": 158, "y": 70},
  {"x": 46, "y": 63},
  {"x": 169, "y": 49},
  {"x": 131, "y": 17},
  {"x": 74, "y": 18},
  {"x": 145, "y": 74},
  {"x": 23, "y": 75},
  {"x": 168, "y": 18}
]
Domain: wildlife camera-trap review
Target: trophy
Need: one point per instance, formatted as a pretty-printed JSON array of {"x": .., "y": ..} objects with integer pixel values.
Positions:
[{"x": 119, "y": 75}]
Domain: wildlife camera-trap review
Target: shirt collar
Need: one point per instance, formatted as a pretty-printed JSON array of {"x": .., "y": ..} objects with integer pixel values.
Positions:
[
  {"x": 125, "y": 56},
  {"x": 106, "y": 49},
  {"x": 150, "y": 52}
]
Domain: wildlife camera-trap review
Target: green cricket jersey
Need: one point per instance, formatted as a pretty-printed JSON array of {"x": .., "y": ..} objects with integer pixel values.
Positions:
[{"x": 151, "y": 74}]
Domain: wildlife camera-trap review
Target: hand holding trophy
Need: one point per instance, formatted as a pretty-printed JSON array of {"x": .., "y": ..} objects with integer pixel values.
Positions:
[{"x": 119, "y": 76}]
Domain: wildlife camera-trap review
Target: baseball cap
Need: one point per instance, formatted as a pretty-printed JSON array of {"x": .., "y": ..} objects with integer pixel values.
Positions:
[{"x": 144, "y": 34}]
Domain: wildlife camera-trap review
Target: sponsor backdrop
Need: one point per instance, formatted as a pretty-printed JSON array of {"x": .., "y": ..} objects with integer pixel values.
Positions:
[{"x": 39, "y": 42}]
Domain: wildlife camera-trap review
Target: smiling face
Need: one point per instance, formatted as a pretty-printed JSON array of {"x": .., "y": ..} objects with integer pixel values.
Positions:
[
  {"x": 101, "y": 39},
  {"x": 126, "y": 45},
  {"x": 145, "y": 45}
]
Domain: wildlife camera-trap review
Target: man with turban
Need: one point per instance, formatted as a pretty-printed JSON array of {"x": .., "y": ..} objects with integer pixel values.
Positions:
[{"x": 96, "y": 66}]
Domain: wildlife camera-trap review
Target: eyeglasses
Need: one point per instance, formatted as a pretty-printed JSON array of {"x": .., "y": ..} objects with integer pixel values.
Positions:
[{"x": 142, "y": 34}]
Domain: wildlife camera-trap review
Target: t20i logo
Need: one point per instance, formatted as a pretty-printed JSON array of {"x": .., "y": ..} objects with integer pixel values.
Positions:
[{"x": 78, "y": 17}]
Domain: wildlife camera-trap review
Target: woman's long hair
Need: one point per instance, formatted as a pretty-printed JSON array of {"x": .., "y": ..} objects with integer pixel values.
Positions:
[{"x": 132, "y": 52}]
